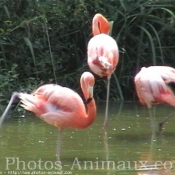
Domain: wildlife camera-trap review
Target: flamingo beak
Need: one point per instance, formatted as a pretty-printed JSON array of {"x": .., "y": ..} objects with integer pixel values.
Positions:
[{"x": 91, "y": 91}]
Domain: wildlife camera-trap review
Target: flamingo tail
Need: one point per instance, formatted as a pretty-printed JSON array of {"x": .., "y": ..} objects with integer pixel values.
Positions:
[{"x": 30, "y": 102}]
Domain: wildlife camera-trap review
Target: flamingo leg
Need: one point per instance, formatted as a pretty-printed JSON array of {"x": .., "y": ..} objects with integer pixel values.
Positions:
[
  {"x": 107, "y": 101},
  {"x": 153, "y": 138},
  {"x": 105, "y": 139},
  {"x": 166, "y": 118},
  {"x": 13, "y": 97},
  {"x": 152, "y": 119},
  {"x": 59, "y": 143}
]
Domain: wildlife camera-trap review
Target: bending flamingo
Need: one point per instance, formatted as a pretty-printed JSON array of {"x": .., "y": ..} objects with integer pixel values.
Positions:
[
  {"x": 152, "y": 87},
  {"x": 103, "y": 53},
  {"x": 60, "y": 106}
]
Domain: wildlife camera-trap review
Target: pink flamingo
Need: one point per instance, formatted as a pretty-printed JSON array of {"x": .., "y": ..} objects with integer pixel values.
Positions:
[
  {"x": 152, "y": 87},
  {"x": 60, "y": 106},
  {"x": 103, "y": 53}
]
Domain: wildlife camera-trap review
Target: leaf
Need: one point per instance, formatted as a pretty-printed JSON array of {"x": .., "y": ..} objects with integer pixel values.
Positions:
[
  {"x": 158, "y": 39},
  {"x": 111, "y": 26},
  {"x": 151, "y": 42},
  {"x": 169, "y": 11},
  {"x": 7, "y": 11},
  {"x": 28, "y": 42},
  {"x": 125, "y": 5}
]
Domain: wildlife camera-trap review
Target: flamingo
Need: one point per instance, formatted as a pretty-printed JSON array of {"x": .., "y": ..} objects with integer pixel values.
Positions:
[
  {"x": 60, "y": 106},
  {"x": 103, "y": 53},
  {"x": 152, "y": 88}
]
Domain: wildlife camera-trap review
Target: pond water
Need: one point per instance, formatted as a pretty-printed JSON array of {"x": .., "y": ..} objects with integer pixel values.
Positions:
[{"x": 126, "y": 146}]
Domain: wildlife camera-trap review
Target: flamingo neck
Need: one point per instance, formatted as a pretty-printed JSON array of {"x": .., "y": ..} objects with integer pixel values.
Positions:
[
  {"x": 91, "y": 112},
  {"x": 87, "y": 82},
  {"x": 100, "y": 25}
]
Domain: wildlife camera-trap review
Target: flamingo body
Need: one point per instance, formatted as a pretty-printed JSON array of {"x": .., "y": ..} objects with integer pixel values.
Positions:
[
  {"x": 151, "y": 85},
  {"x": 103, "y": 55},
  {"x": 61, "y": 106}
]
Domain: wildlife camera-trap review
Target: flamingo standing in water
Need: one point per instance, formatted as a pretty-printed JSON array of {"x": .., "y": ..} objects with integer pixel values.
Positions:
[
  {"x": 152, "y": 88},
  {"x": 60, "y": 106},
  {"x": 103, "y": 53}
]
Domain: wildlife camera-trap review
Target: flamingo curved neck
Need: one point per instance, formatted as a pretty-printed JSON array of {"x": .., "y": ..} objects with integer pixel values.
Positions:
[
  {"x": 87, "y": 82},
  {"x": 91, "y": 107},
  {"x": 91, "y": 114}
]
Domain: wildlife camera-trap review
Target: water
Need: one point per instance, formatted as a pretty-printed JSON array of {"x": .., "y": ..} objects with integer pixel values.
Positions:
[{"x": 127, "y": 146}]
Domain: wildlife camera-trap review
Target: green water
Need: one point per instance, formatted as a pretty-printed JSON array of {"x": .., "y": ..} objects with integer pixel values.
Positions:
[{"x": 127, "y": 146}]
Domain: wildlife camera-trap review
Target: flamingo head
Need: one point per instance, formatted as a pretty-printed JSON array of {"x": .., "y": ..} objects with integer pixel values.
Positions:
[
  {"x": 87, "y": 82},
  {"x": 100, "y": 25}
]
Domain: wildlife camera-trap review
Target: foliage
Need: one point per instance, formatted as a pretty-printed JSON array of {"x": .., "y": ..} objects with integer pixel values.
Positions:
[{"x": 44, "y": 41}]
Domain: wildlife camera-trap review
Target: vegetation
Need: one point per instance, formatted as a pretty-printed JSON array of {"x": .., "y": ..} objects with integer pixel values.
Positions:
[{"x": 45, "y": 41}]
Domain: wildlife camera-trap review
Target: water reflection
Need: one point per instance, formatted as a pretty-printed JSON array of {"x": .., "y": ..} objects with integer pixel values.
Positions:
[
  {"x": 148, "y": 165},
  {"x": 125, "y": 142},
  {"x": 150, "y": 161},
  {"x": 105, "y": 131},
  {"x": 152, "y": 172}
]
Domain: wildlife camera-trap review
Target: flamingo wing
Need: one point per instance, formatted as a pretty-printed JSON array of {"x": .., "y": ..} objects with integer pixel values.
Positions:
[
  {"x": 57, "y": 105},
  {"x": 167, "y": 73}
]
